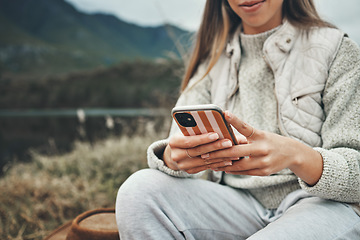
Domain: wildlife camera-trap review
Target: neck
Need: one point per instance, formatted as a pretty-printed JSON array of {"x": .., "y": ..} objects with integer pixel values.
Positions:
[{"x": 253, "y": 29}]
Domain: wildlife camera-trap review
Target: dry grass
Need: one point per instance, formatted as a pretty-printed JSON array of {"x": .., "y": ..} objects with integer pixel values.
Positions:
[{"x": 35, "y": 198}]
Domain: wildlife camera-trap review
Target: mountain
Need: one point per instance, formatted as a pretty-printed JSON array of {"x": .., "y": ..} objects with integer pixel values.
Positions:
[{"x": 50, "y": 36}]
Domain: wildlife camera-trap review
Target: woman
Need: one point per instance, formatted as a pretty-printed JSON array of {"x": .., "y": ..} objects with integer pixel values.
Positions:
[{"x": 290, "y": 83}]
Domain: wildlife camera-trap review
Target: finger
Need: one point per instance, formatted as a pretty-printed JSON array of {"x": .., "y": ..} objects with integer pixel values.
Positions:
[
  {"x": 212, "y": 161},
  {"x": 248, "y": 166},
  {"x": 210, "y": 147},
  {"x": 252, "y": 172},
  {"x": 179, "y": 154},
  {"x": 185, "y": 142},
  {"x": 243, "y": 128},
  {"x": 188, "y": 154},
  {"x": 209, "y": 166},
  {"x": 187, "y": 164},
  {"x": 201, "y": 163},
  {"x": 235, "y": 152},
  {"x": 241, "y": 139}
]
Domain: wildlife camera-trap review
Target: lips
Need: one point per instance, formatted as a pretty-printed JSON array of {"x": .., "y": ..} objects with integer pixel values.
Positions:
[{"x": 251, "y": 4}]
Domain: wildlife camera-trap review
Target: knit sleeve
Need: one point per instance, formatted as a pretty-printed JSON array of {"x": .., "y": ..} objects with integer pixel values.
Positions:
[
  {"x": 340, "y": 132},
  {"x": 197, "y": 92}
]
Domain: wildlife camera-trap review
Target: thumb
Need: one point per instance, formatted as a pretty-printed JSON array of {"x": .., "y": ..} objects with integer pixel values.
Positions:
[{"x": 242, "y": 127}]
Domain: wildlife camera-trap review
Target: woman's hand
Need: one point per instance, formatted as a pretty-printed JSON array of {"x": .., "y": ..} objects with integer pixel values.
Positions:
[
  {"x": 268, "y": 153},
  {"x": 184, "y": 152}
]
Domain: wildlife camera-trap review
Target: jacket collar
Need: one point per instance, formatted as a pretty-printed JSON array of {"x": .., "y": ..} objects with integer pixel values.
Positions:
[
  {"x": 234, "y": 43},
  {"x": 284, "y": 39}
]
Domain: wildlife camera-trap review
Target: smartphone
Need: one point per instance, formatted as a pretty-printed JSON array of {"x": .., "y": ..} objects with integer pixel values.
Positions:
[{"x": 200, "y": 119}]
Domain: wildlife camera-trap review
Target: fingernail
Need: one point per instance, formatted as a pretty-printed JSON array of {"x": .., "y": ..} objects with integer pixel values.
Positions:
[
  {"x": 234, "y": 159},
  {"x": 228, "y": 114},
  {"x": 228, "y": 163},
  {"x": 207, "y": 162},
  {"x": 226, "y": 143},
  {"x": 205, "y": 155},
  {"x": 213, "y": 136}
]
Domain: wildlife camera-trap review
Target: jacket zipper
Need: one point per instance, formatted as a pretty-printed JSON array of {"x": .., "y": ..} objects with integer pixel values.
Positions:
[{"x": 280, "y": 123}]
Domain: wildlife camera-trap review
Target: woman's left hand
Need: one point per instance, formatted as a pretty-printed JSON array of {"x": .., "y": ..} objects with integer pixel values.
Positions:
[{"x": 268, "y": 153}]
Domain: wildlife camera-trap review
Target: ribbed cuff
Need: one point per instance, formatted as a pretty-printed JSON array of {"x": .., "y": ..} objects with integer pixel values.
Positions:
[{"x": 333, "y": 178}]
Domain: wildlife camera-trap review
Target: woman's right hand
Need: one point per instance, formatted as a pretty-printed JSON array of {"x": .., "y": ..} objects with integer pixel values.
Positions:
[{"x": 183, "y": 152}]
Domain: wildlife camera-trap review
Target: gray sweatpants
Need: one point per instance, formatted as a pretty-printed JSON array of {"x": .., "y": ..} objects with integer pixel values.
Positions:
[{"x": 154, "y": 205}]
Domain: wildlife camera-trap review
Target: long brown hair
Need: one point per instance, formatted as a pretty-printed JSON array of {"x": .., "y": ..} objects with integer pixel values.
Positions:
[{"x": 219, "y": 22}]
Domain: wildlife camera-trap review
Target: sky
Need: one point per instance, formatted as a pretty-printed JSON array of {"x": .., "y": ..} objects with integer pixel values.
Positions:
[{"x": 187, "y": 13}]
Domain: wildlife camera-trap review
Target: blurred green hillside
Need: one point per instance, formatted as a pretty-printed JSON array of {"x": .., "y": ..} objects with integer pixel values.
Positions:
[
  {"x": 139, "y": 84},
  {"x": 46, "y": 37},
  {"x": 55, "y": 57}
]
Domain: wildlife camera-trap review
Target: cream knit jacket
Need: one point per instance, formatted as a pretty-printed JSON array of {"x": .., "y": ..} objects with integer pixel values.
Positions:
[{"x": 328, "y": 96}]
